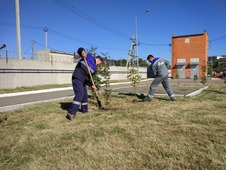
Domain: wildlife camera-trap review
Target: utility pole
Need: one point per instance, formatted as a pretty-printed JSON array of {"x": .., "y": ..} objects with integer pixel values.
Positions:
[
  {"x": 137, "y": 43},
  {"x": 18, "y": 29},
  {"x": 131, "y": 51},
  {"x": 33, "y": 42},
  {"x": 46, "y": 36}
]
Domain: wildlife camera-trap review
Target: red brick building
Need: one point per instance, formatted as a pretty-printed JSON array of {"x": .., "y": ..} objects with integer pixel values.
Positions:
[{"x": 189, "y": 55}]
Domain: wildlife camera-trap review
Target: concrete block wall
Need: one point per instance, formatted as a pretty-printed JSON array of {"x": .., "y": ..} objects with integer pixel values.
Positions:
[
  {"x": 32, "y": 78},
  {"x": 36, "y": 76}
]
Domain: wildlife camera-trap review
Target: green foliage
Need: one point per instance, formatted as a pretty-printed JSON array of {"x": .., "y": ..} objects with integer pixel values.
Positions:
[
  {"x": 122, "y": 62},
  {"x": 177, "y": 75},
  {"x": 204, "y": 67},
  {"x": 92, "y": 50},
  {"x": 107, "y": 76},
  {"x": 203, "y": 80},
  {"x": 96, "y": 78},
  {"x": 133, "y": 72},
  {"x": 210, "y": 70},
  {"x": 204, "y": 70},
  {"x": 195, "y": 77},
  {"x": 218, "y": 64},
  {"x": 143, "y": 63}
]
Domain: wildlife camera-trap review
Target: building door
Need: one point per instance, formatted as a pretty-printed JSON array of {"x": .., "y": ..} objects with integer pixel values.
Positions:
[
  {"x": 181, "y": 71},
  {"x": 194, "y": 70}
]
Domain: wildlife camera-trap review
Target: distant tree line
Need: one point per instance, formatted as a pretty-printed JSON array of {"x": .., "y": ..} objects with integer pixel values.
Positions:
[
  {"x": 218, "y": 65},
  {"x": 122, "y": 62}
]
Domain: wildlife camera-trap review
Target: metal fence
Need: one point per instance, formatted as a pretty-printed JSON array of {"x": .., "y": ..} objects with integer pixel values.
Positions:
[
  {"x": 14, "y": 55},
  {"x": 5, "y": 54}
]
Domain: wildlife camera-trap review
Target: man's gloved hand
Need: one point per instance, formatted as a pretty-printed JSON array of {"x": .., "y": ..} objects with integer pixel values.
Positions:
[{"x": 89, "y": 83}]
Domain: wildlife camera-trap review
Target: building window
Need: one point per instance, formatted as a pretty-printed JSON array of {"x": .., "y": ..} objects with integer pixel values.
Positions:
[
  {"x": 183, "y": 60},
  {"x": 194, "y": 60},
  {"x": 187, "y": 40}
]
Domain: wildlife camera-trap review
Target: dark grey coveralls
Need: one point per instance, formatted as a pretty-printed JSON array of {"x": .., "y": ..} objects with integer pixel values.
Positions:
[{"x": 160, "y": 71}]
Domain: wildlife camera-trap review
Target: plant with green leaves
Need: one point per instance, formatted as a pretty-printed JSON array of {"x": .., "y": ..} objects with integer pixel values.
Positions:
[
  {"x": 178, "y": 77},
  {"x": 133, "y": 72},
  {"x": 96, "y": 76},
  {"x": 92, "y": 50},
  {"x": 203, "y": 80},
  {"x": 204, "y": 71},
  {"x": 195, "y": 77},
  {"x": 106, "y": 76},
  {"x": 210, "y": 70}
]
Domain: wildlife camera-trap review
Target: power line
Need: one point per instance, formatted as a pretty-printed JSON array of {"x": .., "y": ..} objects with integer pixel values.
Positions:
[
  {"x": 155, "y": 44},
  {"x": 44, "y": 45},
  {"x": 91, "y": 44},
  {"x": 84, "y": 42},
  {"x": 75, "y": 39},
  {"x": 67, "y": 36},
  {"x": 24, "y": 26},
  {"x": 61, "y": 34},
  {"x": 83, "y": 15},
  {"x": 217, "y": 39}
]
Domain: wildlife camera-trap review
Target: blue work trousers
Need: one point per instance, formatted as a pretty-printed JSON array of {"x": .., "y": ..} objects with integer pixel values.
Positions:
[{"x": 81, "y": 97}]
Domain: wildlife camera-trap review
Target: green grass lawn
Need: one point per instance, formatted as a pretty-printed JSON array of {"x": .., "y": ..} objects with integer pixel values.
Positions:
[{"x": 187, "y": 134}]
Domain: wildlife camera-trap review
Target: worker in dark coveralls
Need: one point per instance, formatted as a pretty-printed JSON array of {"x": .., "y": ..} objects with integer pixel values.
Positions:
[
  {"x": 80, "y": 81},
  {"x": 160, "y": 72}
]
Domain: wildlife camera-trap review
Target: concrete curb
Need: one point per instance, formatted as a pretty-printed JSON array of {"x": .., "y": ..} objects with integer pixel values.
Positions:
[
  {"x": 50, "y": 90},
  {"x": 70, "y": 88},
  {"x": 34, "y": 92},
  {"x": 197, "y": 91}
]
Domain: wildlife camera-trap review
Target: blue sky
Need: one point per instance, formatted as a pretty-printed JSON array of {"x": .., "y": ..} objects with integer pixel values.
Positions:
[{"x": 109, "y": 25}]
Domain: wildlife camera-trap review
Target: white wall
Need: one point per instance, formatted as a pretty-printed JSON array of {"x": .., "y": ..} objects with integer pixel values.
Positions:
[{"x": 34, "y": 78}]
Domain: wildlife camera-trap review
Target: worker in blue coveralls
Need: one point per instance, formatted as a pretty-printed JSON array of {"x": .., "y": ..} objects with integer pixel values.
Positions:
[
  {"x": 80, "y": 81},
  {"x": 160, "y": 71}
]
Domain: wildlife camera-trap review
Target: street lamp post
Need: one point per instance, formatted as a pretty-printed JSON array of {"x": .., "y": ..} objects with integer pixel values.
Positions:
[
  {"x": 3, "y": 46},
  {"x": 46, "y": 40},
  {"x": 137, "y": 46},
  {"x": 18, "y": 29},
  {"x": 137, "y": 43}
]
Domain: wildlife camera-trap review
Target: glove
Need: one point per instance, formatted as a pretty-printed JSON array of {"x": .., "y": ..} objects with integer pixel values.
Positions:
[{"x": 89, "y": 83}]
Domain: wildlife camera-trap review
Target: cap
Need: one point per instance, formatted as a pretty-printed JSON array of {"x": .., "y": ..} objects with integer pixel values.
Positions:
[{"x": 80, "y": 50}]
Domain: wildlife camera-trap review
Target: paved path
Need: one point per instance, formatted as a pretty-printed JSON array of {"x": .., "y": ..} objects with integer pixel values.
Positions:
[
  {"x": 11, "y": 101},
  {"x": 14, "y": 100}
]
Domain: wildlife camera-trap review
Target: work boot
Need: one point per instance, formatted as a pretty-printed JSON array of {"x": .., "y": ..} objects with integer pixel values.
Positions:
[
  {"x": 173, "y": 98},
  {"x": 70, "y": 116},
  {"x": 146, "y": 99},
  {"x": 141, "y": 96},
  {"x": 84, "y": 108}
]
